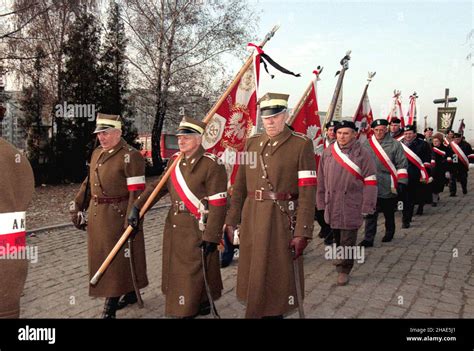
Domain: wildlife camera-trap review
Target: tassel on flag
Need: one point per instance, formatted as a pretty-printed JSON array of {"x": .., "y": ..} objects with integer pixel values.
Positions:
[
  {"x": 235, "y": 119},
  {"x": 396, "y": 110},
  {"x": 363, "y": 116},
  {"x": 411, "y": 115},
  {"x": 305, "y": 118}
]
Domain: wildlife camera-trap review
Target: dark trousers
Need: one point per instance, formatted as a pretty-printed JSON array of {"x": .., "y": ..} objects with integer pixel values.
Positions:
[
  {"x": 346, "y": 238},
  {"x": 409, "y": 197},
  {"x": 462, "y": 177},
  {"x": 387, "y": 207},
  {"x": 325, "y": 228}
]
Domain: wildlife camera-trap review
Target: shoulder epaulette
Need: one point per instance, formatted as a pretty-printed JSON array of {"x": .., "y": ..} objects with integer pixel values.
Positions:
[
  {"x": 211, "y": 156},
  {"x": 301, "y": 135}
]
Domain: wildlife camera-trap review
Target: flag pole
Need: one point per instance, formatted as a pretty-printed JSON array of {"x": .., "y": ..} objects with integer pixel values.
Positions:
[
  {"x": 332, "y": 106},
  {"x": 302, "y": 100},
  {"x": 95, "y": 279}
]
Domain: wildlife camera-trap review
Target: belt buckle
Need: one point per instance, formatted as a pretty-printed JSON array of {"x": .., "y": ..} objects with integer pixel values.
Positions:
[{"x": 258, "y": 195}]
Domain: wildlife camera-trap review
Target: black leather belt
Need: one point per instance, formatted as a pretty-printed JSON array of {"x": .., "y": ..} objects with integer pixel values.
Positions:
[
  {"x": 111, "y": 200},
  {"x": 261, "y": 195}
]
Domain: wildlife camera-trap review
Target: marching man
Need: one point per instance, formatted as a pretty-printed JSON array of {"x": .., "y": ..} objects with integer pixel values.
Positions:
[
  {"x": 191, "y": 278},
  {"x": 116, "y": 178},
  {"x": 392, "y": 176},
  {"x": 347, "y": 189},
  {"x": 460, "y": 161},
  {"x": 274, "y": 204},
  {"x": 17, "y": 187}
]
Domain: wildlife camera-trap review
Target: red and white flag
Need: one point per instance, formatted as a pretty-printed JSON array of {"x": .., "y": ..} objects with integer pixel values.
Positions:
[
  {"x": 411, "y": 115},
  {"x": 307, "y": 120},
  {"x": 364, "y": 117},
  {"x": 396, "y": 110},
  {"x": 235, "y": 119}
]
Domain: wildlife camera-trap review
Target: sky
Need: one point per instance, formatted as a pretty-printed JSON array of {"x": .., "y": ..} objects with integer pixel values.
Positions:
[{"x": 412, "y": 45}]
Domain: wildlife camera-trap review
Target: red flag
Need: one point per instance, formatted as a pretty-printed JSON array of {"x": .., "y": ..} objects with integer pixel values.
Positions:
[
  {"x": 364, "y": 117},
  {"x": 307, "y": 119},
  {"x": 411, "y": 115},
  {"x": 234, "y": 120},
  {"x": 396, "y": 110}
]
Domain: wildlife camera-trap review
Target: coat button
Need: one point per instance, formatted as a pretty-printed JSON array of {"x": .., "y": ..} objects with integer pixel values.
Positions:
[
  {"x": 265, "y": 155},
  {"x": 174, "y": 225},
  {"x": 100, "y": 164},
  {"x": 263, "y": 177}
]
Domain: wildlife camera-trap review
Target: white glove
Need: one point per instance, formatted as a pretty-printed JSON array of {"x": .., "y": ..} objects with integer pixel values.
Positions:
[{"x": 447, "y": 175}]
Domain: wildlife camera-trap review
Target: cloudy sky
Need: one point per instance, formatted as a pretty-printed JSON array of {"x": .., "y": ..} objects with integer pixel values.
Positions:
[{"x": 412, "y": 45}]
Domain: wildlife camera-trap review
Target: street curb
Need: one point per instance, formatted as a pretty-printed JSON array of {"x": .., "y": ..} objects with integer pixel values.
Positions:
[{"x": 64, "y": 225}]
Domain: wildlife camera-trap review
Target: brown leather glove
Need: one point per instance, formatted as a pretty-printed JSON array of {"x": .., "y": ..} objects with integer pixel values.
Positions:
[
  {"x": 229, "y": 231},
  {"x": 297, "y": 245}
]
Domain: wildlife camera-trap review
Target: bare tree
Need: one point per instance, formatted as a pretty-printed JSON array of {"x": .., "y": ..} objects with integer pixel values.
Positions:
[{"x": 178, "y": 45}]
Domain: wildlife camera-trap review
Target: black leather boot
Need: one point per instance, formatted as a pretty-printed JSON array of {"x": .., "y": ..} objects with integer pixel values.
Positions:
[
  {"x": 110, "y": 308},
  {"x": 127, "y": 299}
]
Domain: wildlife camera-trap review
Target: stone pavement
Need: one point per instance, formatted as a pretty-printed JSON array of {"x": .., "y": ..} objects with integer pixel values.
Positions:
[{"x": 425, "y": 272}]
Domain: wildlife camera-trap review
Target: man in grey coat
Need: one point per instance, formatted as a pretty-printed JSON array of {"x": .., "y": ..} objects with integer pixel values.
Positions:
[
  {"x": 347, "y": 190},
  {"x": 392, "y": 178}
]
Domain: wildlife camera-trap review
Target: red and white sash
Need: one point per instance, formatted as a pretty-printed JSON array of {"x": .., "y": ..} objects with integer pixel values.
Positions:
[
  {"x": 385, "y": 160},
  {"x": 415, "y": 160},
  {"x": 439, "y": 152},
  {"x": 12, "y": 232},
  {"x": 461, "y": 155},
  {"x": 191, "y": 201},
  {"x": 350, "y": 166}
]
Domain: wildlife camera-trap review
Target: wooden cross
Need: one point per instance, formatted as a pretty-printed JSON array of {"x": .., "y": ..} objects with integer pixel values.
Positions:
[{"x": 446, "y": 99}]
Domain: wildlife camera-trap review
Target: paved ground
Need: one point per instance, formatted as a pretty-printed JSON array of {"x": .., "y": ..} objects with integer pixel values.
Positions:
[{"x": 425, "y": 272}]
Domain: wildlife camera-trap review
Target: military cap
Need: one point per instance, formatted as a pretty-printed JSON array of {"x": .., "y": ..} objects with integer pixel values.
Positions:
[
  {"x": 332, "y": 124},
  {"x": 379, "y": 122},
  {"x": 345, "y": 124},
  {"x": 272, "y": 104},
  {"x": 410, "y": 127},
  {"x": 105, "y": 122},
  {"x": 427, "y": 129},
  {"x": 191, "y": 126},
  {"x": 395, "y": 120}
]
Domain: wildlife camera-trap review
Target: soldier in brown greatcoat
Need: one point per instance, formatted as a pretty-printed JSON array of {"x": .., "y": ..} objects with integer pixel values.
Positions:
[
  {"x": 198, "y": 179},
  {"x": 117, "y": 177},
  {"x": 16, "y": 187},
  {"x": 274, "y": 203}
]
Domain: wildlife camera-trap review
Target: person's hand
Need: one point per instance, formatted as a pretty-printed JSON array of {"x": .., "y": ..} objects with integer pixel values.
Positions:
[
  {"x": 447, "y": 175},
  {"x": 78, "y": 220},
  {"x": 208, "y": 247},
  {"x": 229, "y": 231},
  {"x": 297, "y": 245},
  {"x": 134, "y": 217}
]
